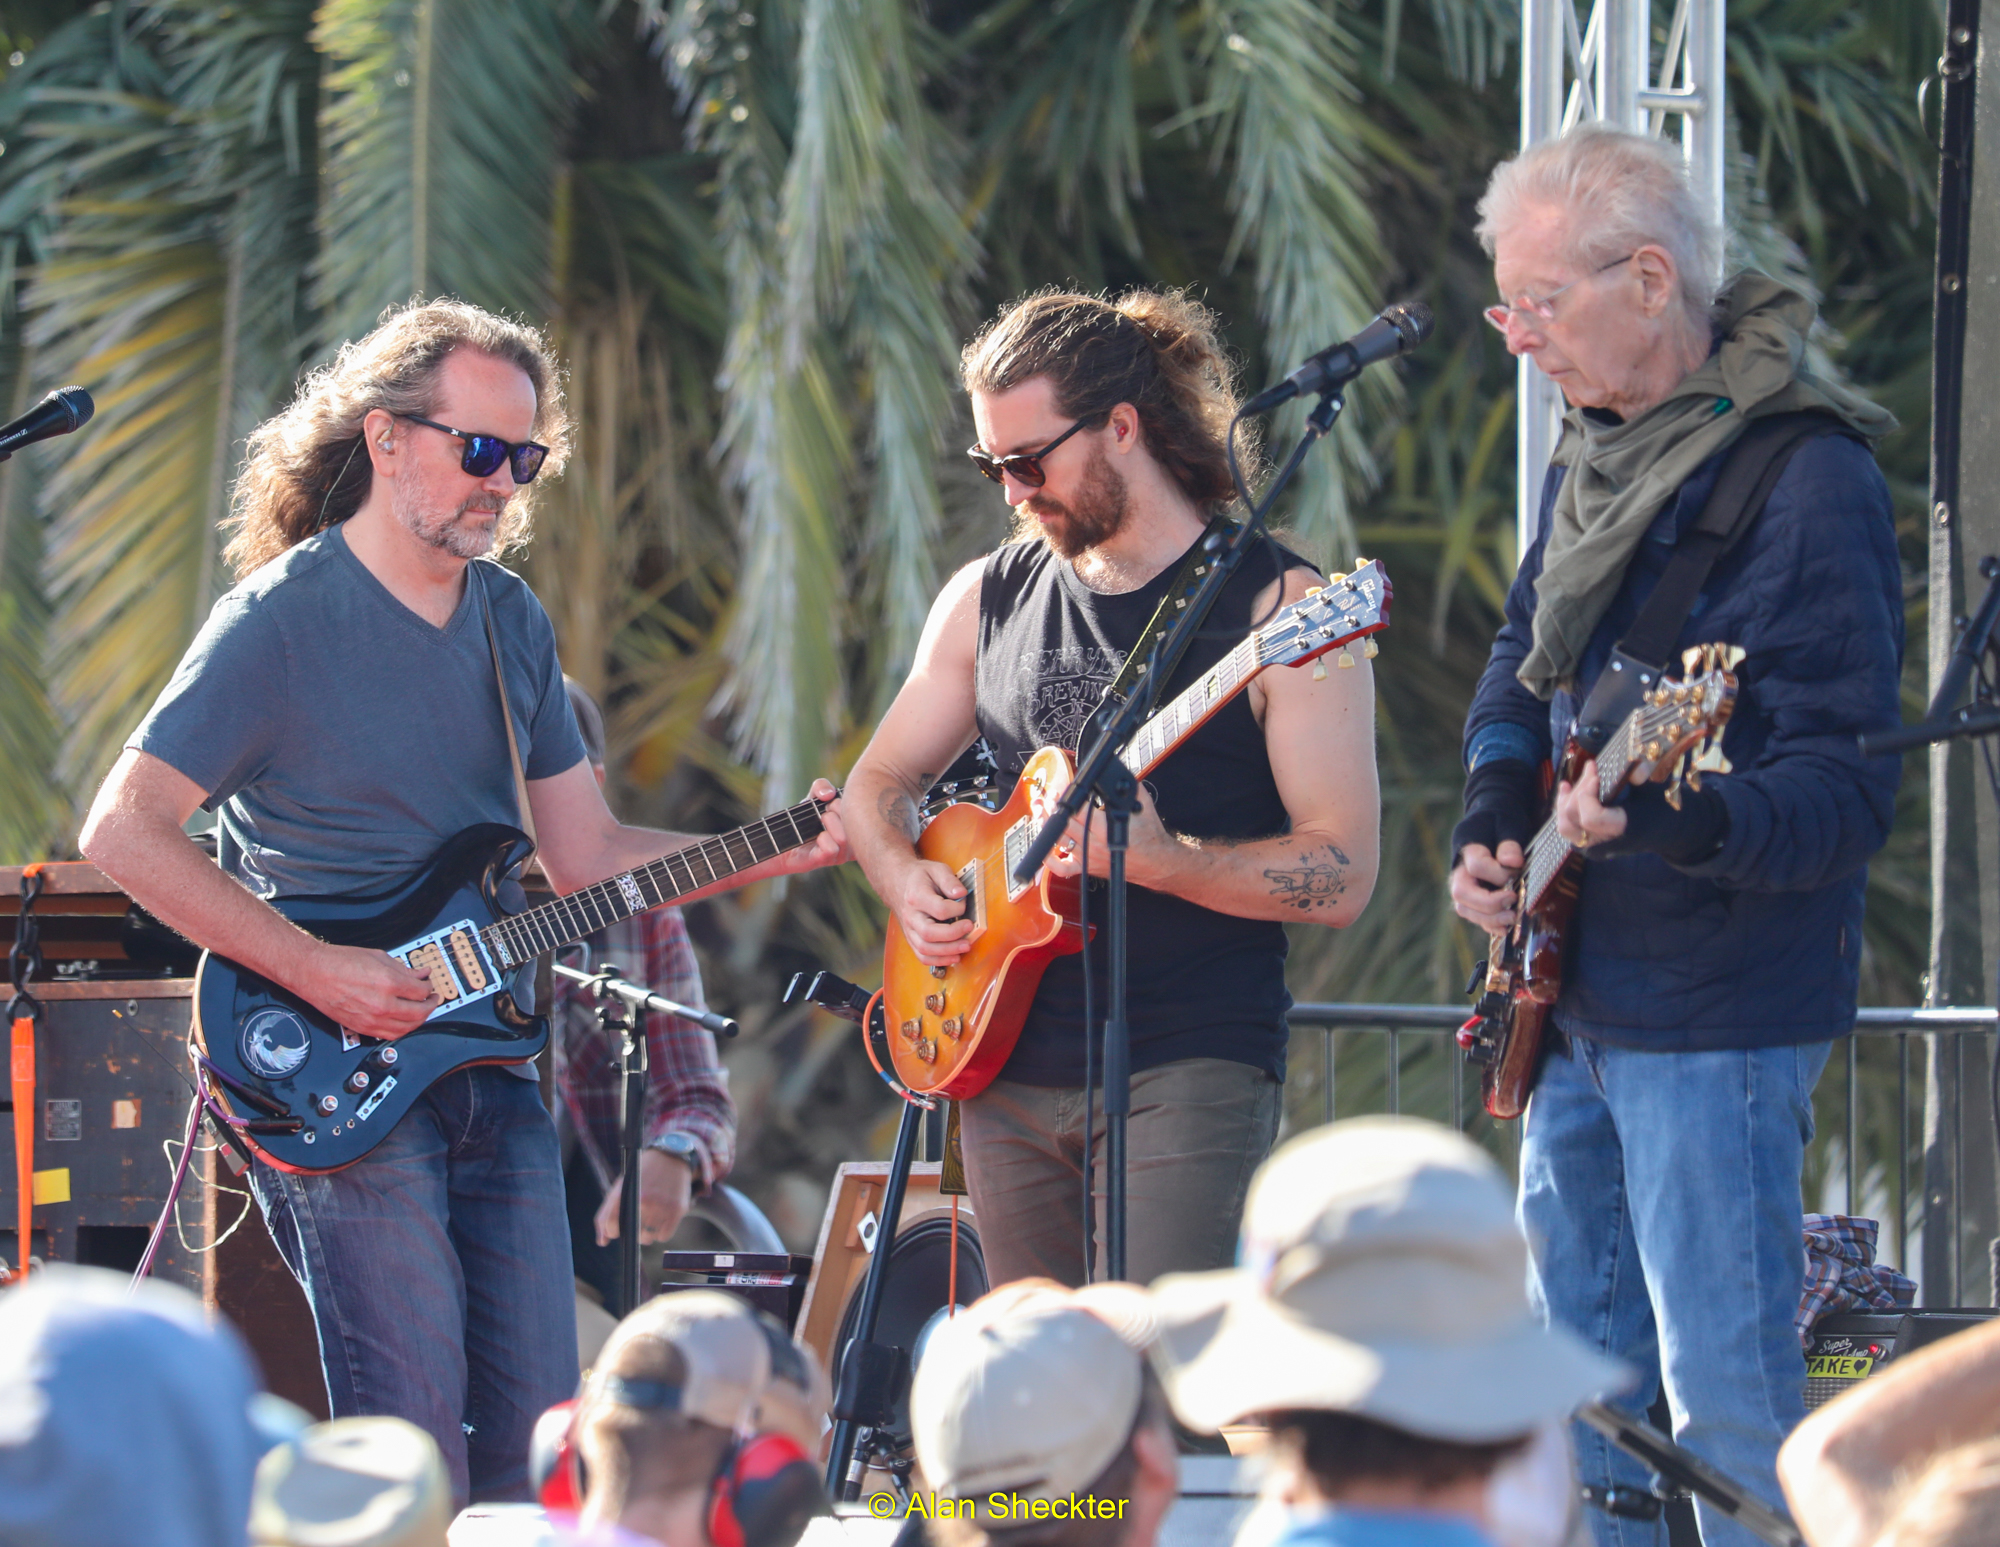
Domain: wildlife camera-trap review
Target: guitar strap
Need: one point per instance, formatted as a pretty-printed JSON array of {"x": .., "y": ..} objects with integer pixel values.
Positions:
[
  {"x": 506, "y": 707},
  {"x": 1639, "y": 660},
  {"x": 1193, "y": 569}
]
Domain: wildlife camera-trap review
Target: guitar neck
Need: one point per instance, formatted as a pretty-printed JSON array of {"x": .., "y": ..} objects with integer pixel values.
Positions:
[
  {"x": 585, "y": 911},
  {"x": 1549, "y": 849},
  {"x": 1184, "y": 716}
]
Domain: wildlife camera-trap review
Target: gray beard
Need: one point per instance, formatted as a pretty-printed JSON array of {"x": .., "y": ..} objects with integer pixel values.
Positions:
[{"x": 453, "y": 534}]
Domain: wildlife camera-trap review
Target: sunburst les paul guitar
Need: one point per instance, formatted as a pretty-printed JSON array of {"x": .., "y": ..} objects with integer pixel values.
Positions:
[
  {"x": 307, "y": 1095},
  {"x": 1659, "y": 740},
  {"x": 949, "y": 1029}
]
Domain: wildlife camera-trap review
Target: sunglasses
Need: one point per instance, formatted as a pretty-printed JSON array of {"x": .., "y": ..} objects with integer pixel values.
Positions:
[
  {"x": 1026, "y": 466},
  {"x": 1543, "y": 307},
  {"x": 484, "y": 453}
]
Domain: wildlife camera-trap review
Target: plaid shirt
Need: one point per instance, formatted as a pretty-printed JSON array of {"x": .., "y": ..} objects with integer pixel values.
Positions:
[
  {"x": 1843, "y": 1275},
  {"x": 687, "y": 1087}
]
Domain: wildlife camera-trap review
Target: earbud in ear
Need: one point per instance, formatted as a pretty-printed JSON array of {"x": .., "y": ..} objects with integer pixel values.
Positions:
[{"x": 384, "y": 443}]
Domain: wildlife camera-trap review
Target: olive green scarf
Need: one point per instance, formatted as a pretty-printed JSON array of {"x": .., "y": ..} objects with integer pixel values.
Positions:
[{"x": 1622, "y": 475}]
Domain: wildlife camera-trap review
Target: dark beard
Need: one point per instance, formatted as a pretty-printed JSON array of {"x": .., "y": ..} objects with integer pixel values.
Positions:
[{"x": 1096, "y": 516}]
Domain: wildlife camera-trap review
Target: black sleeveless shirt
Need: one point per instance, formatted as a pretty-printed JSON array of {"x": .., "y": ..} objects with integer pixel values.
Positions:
[{"x": 1201, "y": 984}]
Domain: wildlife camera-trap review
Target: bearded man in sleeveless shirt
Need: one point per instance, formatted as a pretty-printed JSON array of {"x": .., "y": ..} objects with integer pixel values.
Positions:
[{"x": 1104, "y": 423}]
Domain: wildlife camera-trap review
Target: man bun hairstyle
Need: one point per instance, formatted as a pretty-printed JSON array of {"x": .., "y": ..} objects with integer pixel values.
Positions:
[
  {"x": 1160, "y": 351},
  {"x": 1619, "y": 191},
  {"x": 305, "y": 467}
]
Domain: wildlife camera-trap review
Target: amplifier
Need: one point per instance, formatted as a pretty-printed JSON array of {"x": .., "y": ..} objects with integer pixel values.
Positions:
[
  {"x": 112, "y": 1086},
  {"x": 1849, "y": 1346}
]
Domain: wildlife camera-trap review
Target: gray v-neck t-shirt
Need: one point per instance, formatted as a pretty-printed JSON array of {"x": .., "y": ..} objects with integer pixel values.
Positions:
[{"x": 339, "y": 737}]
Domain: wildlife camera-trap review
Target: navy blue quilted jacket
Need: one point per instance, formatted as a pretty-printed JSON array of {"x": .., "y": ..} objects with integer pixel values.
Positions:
[{"x": 1759, "y": 944}]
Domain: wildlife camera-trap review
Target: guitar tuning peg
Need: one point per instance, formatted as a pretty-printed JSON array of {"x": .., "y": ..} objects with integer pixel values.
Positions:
[
  {"x": 1346, "y": 659},
  {"x": 1674, "y": 793},
  {"x": 1319, "y": 668},
  {"x": 1690, "y": 660},
  {"x": 1732, "y": 656},
  {"x": 1694, "y": 778},
  {"x": 1369, "y": 648},
  {"x": 1314, "y": 590}
]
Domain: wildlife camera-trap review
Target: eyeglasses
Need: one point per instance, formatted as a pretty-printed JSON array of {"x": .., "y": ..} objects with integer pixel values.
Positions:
[
  {"x": 1026, "y": 466},
  {"x": 1544, "y": 306},
  {"x": 483, "y": 453}
]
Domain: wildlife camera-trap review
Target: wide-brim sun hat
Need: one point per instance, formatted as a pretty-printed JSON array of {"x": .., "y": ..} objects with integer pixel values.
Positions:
[{"x": 1381, "y": 1274}]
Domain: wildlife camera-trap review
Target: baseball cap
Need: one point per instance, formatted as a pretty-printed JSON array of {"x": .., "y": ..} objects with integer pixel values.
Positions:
[
  {"x": 728, "y": 1361},
  {"x": 1030, "y": 1390},
  {"x": 1380, "y": 1273},
  {"x": 354, "y": 1482}
]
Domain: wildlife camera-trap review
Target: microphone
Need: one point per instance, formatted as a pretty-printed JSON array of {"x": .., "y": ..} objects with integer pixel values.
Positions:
[
  {"x": 1397, "y": 331},
  {"x": 56, "y": 414}
]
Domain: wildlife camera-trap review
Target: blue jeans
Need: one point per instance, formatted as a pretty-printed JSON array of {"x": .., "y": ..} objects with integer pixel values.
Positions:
[
  {"x": 439, "y": 1276},
  {"x": 1660, "y": 1196}
]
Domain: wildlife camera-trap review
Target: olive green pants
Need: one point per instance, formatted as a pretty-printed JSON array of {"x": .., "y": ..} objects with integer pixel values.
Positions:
[{"x": 1199, "y": 1129}]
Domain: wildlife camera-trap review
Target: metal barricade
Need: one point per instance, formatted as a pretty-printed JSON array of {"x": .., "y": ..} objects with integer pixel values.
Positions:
[{"x": 1898, "y": 1023}]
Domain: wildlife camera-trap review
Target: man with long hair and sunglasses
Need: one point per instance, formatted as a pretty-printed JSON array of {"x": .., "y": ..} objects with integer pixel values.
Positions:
[
  {"x": 1104, "y": 424},
  {"x": 340, "y": 712}
]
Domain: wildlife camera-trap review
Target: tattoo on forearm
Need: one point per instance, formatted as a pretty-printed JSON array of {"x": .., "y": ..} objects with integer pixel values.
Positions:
[
  {"x": 900, "y": 811},
  {"x": 1315, "y": 882}
]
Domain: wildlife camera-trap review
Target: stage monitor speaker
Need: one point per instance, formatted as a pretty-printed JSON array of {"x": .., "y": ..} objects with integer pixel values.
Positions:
[
  {"x": 919, "y": 1274},
  {"x": 1849, "y": 1346}
]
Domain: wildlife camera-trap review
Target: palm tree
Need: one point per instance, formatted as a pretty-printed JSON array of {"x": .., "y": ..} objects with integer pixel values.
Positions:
[{"x": 759, "y": 233}]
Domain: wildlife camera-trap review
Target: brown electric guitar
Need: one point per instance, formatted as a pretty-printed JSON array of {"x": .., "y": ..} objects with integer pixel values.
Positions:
[
  {"x": 951, "y": 1028},
  {"x": 1523, "y": 974}
]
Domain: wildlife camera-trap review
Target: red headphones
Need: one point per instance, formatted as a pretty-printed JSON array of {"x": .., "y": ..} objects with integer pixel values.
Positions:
[{"x": 762, "y": 1494}]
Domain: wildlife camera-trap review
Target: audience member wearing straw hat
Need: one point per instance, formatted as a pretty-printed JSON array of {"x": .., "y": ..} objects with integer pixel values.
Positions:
[
  {"x": 1379, "y": 1323},
  {"x": 354, "y": 1482}
]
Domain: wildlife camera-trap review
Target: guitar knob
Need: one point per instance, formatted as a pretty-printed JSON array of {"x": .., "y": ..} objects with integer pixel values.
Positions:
[
  {"x": 358, "y": 1080},
  {"x": 934, "y": 1003},
  {"x": 328, "y": 1104}
]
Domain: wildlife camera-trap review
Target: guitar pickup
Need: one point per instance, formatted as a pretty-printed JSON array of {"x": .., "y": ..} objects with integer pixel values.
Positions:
[
  {"x": 974, "y": 909},
  {"x": 429, "y": 960},
  {"x": 456, "y": 961}
]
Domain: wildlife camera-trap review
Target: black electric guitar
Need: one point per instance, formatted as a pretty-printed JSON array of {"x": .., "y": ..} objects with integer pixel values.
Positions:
[{"x": 307, "y": 1095}]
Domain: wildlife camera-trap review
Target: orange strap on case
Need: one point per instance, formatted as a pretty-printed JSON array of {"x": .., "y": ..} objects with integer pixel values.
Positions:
[
  {"x": 24, "y": 1133},
  {"x": 23, "y": 1068}
]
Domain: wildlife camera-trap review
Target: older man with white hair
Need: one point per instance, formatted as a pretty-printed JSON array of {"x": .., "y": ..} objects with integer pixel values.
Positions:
[{"x": 1716, "y": 944}]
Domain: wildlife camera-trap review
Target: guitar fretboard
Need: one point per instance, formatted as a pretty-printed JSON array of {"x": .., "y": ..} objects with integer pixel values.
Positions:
[
  {"x": 1549, "y": 849},
  {"x": 591, "y": 908},
  {"x": 1173, "y": 724}
]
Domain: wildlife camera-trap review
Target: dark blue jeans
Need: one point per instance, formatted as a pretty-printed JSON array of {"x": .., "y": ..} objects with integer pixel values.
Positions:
[
  {"x": 439, "y": 1275},
  {"x": 1660, "y": 1196}
]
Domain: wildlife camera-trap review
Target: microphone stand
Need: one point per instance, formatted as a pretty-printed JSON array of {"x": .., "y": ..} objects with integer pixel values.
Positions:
[
  {"x": 619, "y": 1005},
  {"x": 1102, "y": 773},
  {"x": 1941, "y": 722}
]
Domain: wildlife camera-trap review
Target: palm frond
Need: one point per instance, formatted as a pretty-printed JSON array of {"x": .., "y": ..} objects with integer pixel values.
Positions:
[
  {"x": 785, "y": 439},
  {"x": 1283, "y": 107},
  {"x": 439, "y": 157},
  {"x": 875, "y": 247}
]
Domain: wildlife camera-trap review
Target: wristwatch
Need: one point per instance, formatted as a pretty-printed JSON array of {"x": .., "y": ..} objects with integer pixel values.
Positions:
[{"x": 683, "y": 1147}]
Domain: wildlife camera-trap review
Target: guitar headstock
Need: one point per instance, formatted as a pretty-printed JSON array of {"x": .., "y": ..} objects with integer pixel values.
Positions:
[
  {"x": 1677, "y": 731},
  {"x": 1348, "y": 607}
]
